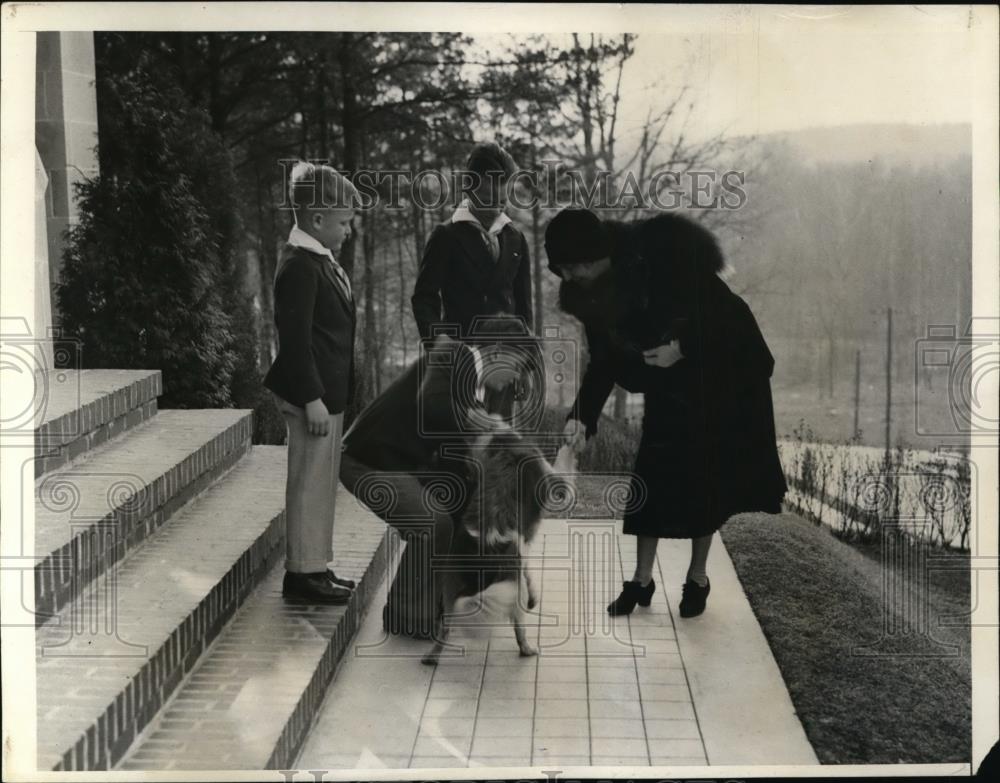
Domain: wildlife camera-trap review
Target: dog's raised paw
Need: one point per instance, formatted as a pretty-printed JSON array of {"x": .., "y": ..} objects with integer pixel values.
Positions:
[
  {"x": 429, "y": 660},
  {"x": 527, "y": 650}
]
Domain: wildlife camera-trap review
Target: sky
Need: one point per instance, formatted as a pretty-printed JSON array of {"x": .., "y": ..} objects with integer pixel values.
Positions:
[{"x": 780, "y": 68}]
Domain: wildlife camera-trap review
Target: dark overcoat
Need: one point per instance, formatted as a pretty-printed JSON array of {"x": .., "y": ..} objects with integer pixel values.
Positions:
[{"x": 708, "y": 448}]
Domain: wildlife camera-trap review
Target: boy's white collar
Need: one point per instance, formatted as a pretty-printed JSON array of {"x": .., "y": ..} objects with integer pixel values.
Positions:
[
  {"x": 299, "y": 238},
  {"x": 464, "y": 215}
]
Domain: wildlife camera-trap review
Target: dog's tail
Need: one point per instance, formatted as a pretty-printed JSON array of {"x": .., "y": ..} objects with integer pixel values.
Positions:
[{"x": 487, "y": 609}]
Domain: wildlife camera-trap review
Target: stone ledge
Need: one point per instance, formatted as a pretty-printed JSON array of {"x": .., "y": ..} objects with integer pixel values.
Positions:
[
  {"x": 88, "y": 515},
  {"x": 251, "y": 700},
  {"x": 164, "y": 604},
  {"x": 85, "y": 408}
]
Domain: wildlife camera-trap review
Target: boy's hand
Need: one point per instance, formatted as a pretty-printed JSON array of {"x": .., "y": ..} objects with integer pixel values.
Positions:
[{"x": 317, "y": 418}]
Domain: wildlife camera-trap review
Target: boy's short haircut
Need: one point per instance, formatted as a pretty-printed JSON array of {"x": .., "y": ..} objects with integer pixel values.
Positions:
[
  {"x": 489, "y": 158},
  {"x": 320, "y": 187}
]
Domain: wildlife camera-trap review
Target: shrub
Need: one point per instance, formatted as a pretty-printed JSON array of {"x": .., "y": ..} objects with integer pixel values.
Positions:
[{"x": 152, "y": 273}]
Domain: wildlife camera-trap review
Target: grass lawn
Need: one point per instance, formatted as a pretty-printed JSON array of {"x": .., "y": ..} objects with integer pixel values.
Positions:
[{"x": 818, "y": 600}]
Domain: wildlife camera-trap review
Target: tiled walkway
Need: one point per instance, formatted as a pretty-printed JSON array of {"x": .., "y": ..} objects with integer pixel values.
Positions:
[{"x": 600, "y": 692}]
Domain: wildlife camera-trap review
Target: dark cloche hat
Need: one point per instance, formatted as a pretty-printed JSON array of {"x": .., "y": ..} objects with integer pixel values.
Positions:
[{"x": 575, "y": 236}]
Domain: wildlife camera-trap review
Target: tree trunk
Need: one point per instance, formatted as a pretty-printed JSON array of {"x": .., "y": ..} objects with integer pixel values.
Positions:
[
  {"x": 536, "y": 252},
  {"x": 401, "y": 269},
  {"x": 350, "y": 121}
]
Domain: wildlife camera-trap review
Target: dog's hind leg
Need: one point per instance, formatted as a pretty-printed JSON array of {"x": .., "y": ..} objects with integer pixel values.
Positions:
[
  {"x": 431, "y": 659},
  {"x": 528, "y": 585},
  {"x": 441, "y": 633},
  {"x": 517, "y": 617}
]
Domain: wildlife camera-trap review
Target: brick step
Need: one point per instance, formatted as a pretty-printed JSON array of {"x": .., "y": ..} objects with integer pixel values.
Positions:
[
  {"x": 84, "y": 408},
  {"x": 113, "y": 657},
  {"x": 91, "y": 512},
  {"x": 251, "y": 699}
]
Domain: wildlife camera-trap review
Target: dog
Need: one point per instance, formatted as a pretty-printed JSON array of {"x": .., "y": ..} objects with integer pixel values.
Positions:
[{"x": 511, "y": 485}]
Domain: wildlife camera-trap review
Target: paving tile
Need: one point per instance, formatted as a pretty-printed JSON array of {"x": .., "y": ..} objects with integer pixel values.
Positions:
[
  {"x": 618, "y": 746},
  {"x": 599, "y": 673},
  {"x": 667, "y": 709},
  {"x": 561, "y": 727},
  {"x": 661, "y": 692},
  {"x": 657, "y": 729},
  {"x": 626, "y": 662},
  {"x": 450, "y": 708},
  {"x": 361, "y": 760},
  {"x": 502, "y": 727},
  {"x": 484, "y": 746},
  {"x": 458, "y": 673},
  {"x": 499, "y": 762},
  {"x": 619, "y": 761},
  {"x": 496, "y": 674},
  {"x": 626, "y": 728},
  {"x": 563, "y": 690},
  {"x": 618, "y": 691},
  {"x": 569, "y": 674},
  {"x": 562, "y": 762},
  {"x": 608, "y": 708},
  {"x": 506, "y": 708},
  {"x": 561, "y": 708},
  {"x": 442, "y": 746},
  {"x": 688, "y": 748},
  {"x": 557, "y": 660},
  {"x": 447, "y": 727},
  {"x": 654, "y": 675},
  {"x": 437, "y": 762},
  {"x": 679, "y": 761},
  {"x": 462, "y": 689},
  {"x": 508, "y": 690},
  {"x": 545, "y": 747}
]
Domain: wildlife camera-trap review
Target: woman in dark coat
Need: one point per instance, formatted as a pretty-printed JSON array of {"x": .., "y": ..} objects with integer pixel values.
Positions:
[{"x": 659, "y": 320}]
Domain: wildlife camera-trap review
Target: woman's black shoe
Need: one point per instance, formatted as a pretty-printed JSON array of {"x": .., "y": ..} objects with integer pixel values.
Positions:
[
  {"x": 693, "y": 597},
  {"x": 348, "y": 583},
  {"x": 632, "y": 593}
]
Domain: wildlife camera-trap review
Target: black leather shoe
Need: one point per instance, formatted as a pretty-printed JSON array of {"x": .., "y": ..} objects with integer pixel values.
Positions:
[
  {"x": 693, "y": 597},
  {"x": 348, "y": 583},
  {"x": 313, "y": 589},
  {"x": 632, "y": 593}
]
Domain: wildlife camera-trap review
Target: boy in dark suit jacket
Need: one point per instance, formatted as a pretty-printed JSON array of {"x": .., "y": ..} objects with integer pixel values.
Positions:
[
  {"x": 312, "y": 375},
  {"x": 476, "y": 264}
]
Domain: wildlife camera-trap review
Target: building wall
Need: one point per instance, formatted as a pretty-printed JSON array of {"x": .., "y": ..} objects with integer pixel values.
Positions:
[{"x": 65, "y": 129}]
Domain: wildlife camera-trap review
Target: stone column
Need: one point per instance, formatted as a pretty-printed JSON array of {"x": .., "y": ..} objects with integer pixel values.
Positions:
[
  {"x": 42, "y": 328},
  {"x": 65, "y": 128}
]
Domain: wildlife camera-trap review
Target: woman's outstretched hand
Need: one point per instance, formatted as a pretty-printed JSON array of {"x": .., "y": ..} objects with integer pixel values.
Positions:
[
  {"x": 665, "y": 355},
  {"x": 575, "y": 435}
]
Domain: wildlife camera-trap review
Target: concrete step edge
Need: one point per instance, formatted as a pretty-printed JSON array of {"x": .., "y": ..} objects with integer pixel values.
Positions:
[
  {"x": 105, "y": 738},
  {"x": 136, "y": 508},
  {"x": 291, "y": 722},
  {"x": 94, "y": 421}
]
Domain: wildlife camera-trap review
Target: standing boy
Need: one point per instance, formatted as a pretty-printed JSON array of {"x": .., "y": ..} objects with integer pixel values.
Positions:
[
  {"x": 312, "y": 375},
  {"x": 477, "y": 263}
]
